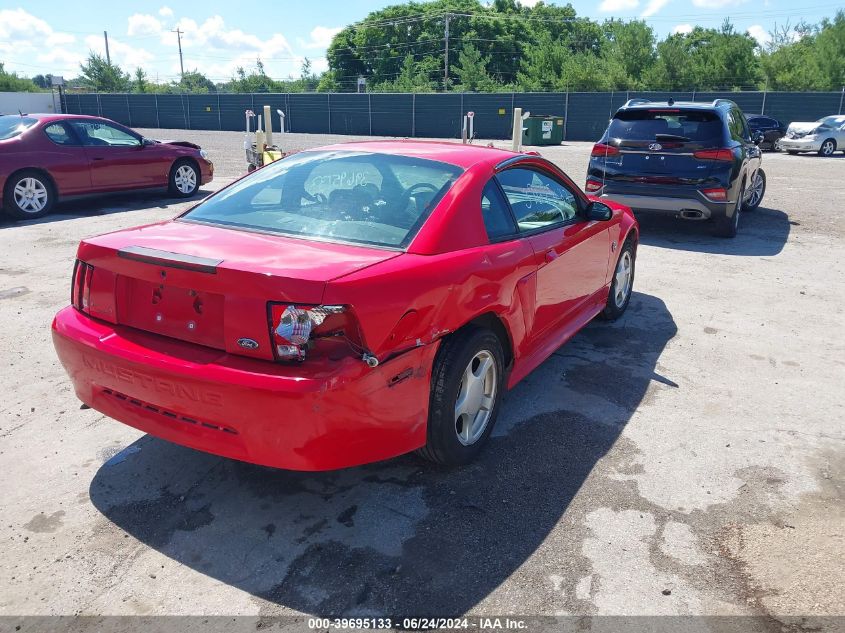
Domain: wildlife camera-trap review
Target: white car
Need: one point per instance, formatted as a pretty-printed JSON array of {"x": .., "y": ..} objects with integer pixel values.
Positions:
[{"x": 824, "y": 136}]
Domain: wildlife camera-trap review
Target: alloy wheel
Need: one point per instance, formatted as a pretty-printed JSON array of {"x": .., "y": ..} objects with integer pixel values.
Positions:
[
  {"x": 624, "y": 276},
  {"x": 186, "y": 179},
  {"x": 31, "y": 195},
  {"x": 476, "y": 397},
  {"x": 828, "y": 148},
  {"x": 755, "y": 193}
]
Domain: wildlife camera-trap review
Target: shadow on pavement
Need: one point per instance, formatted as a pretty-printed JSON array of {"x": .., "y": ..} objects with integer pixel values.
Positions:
[
  {"x": 106, "y": 205},
  {"x": 762, "y": 232},
  {"x": 402, "y": 536}
]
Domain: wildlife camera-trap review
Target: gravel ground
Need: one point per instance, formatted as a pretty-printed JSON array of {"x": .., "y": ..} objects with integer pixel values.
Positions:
[{"x": 686, "y": 459}]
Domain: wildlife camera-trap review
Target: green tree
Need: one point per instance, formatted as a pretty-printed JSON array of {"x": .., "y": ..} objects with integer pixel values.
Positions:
[
  {"x": 102, "y": 76},
  {"x": 414, "y": 77},
  {"x": 10, "y": 82},
  {"x": 631, "y": 46},
  {"x": 196, "y": 82},
  {"x": 140, "y": 83},
  {"x": 471, "y": 71}
]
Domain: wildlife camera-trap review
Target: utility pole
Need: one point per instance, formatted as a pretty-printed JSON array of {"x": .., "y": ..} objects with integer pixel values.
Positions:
[
  {"x": 446, "y": 57},
  {"x": 179, "y": 40},
  {"x": 106, "y": 37}
]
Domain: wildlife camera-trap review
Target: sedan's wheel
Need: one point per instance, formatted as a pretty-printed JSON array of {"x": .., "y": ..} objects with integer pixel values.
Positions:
[
  {"x": 827, "y": 148},
  {"x": 467, "y": 384},
  {"x": 28, "y": 194},
  {"x": 792, "y": 152},
  {"x": 622, "y": 284},
  {"x": 184, "y": 179},
  {"x": 755, "y": 193}
]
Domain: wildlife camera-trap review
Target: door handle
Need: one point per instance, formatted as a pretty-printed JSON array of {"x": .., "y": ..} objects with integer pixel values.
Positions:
[
  {"x": 98, "y": 158},
  {"x": 551, "y": 255}
]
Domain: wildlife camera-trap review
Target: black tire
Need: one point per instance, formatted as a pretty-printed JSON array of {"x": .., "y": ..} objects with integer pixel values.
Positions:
[
  {"x": 792, "y": 152},
  {"x": 729, "y": 226},
  {"x": 178, "y": 187},
  {"x": 755, "y": 202},
  {"x": 443, "y": 446},
  {"x": 828, "y": 147},
  {"x": 612, "y": 310},
  {"x": 41, "y": 184}
]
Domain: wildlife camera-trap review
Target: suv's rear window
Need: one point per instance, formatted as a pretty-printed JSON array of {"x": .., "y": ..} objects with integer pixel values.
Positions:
[
  {"x": 13, "y": 124},
  {"x": 700, "y": 126},
  {"x": 347, "y": 196}
]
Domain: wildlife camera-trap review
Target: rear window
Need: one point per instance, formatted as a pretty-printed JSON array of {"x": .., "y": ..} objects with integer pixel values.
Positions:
[
  {"x": 345, "y": 196},
  {"x": 645, "y": 125},
  {"x": 12, "y": 125}
]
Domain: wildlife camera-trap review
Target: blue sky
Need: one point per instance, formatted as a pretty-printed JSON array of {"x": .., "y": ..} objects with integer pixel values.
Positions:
[{"x": 53, "y": 37}]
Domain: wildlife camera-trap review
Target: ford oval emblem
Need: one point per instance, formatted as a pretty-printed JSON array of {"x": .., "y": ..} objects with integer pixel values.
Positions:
[
  {"x": 248, "y": 343},
  {"x": 655, "y": 147}
]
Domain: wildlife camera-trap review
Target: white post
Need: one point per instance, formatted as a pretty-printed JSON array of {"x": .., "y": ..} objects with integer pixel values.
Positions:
[
  {"x": 471, "y": 116},
  {"x": 464, "y": 130},
  {"x": 268, "y": 119},
  {"x": 517, "y": 129}
]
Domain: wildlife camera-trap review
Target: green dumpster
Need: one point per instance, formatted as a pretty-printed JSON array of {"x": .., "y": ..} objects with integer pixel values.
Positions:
[{"x": 542, "y": 130}]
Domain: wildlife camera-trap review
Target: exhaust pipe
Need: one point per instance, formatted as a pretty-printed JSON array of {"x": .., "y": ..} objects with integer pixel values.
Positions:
[{"x": 691, "y": 214}]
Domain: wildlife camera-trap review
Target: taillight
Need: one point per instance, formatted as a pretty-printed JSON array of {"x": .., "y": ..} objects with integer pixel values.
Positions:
[
  {"x": 592, "y": 185},
  {"x": 80, "y": 291},
  {"x": 717, "y": 194},
  {"x": 602, "y": 149},
  {"x": 296, "y": 328},
  {"x": 714, "y": 154}
]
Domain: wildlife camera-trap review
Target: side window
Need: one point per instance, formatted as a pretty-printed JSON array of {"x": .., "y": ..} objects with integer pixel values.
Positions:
[
  {"x": 60, "y": 134},
  {"x": 737, "y": 125},
  {"x": 95, "y": 133},
  {"x": 497, "y": 217},
  {"x": 537, "y": 200}
]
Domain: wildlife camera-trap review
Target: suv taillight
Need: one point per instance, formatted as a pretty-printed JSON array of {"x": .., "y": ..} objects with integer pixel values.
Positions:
[
  {"x": 602, "y": 149},
  {"x": 714, "y": 154},
  {"x": 592, "y": 185},
  {"x": 717, "y": 194},
  {"x": 295, "y": 329},
  {"x": 80, "y": 289}
]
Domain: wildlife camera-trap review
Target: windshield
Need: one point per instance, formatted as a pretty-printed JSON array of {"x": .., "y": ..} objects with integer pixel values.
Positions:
[
  {"x": 12, "y": 125},
  {"x": 830, "y": 121},
  {"x": 650, "y": 125},
  {"x": 345, "y": 196}
]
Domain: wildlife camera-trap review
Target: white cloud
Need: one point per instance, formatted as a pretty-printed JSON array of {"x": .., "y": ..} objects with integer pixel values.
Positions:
[
  {"x": 529, "y": 3},
  {"x": 760, "y": 34},
  {"x": 715, "y": 4},
  {"x": 653, "y": 7},
  {"x": 682, "y": 28},
  {"x": 142, "y": 25},
  {"x": 618, "y": 5},
  {"x": 126, "y": 56},
  {"x": 165, "y": 12},
  {"x": 25, "y": 38},
  {"x": 321, "y": 37}
]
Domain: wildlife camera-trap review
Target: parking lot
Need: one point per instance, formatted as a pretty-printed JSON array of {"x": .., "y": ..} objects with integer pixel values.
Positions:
[{"x": 686, "y": 459}]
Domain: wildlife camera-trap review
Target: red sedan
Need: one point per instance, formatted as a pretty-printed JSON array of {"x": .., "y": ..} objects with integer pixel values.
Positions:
[
  {"x": 346, "y": 304},
  {"x": 48, "y": 157}
]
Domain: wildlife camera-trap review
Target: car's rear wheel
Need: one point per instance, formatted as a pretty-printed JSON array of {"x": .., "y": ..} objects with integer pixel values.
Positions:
[
  {"x": 756, "y": 191},
  {"x": 184, "y": 178},
  {"x": 792, "y": 152},
  {"x": 622, "y": 284},
  {"x": 728, "y": 226},
  {"x": 28, "y": 194},
  {"x": 828, "y": 147},
  {"x": 466, "y": 392}
]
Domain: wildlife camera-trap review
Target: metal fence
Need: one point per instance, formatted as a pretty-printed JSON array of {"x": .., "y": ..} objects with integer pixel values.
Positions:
[{"x": 437, "y": 115}]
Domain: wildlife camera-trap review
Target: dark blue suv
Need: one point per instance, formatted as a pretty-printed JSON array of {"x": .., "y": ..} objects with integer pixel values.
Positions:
[{"x": 696, "y": 161}]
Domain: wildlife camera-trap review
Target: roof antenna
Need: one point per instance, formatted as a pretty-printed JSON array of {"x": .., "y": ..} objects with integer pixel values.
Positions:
[{"x": 671, "y": 101}]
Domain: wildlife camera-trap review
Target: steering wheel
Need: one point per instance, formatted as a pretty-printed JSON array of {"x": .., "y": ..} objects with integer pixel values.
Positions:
[
  {"x": 318, "y": 197},
  {"x": 420, "y": 187}
]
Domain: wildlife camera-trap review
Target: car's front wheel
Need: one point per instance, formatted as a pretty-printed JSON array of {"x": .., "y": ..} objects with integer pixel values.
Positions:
[
  {"x": 622, "y": 283},
  {"x": 756, "y": 191},
  {"x": 184, "y": 178},
  {"x": 28, "y": 194},
  {"x": 466, "y": 392},
  {"x": 828, "y": 147}
]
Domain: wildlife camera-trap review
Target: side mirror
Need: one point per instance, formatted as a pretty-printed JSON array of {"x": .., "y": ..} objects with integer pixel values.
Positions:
[
  {"x": 598, "y": 212},
  {"x": 147, "y": 141},
  {"x": 757, "y": 137}
]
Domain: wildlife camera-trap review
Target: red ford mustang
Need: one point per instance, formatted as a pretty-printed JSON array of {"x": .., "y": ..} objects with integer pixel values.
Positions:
[
  {"x": 346, "y": 304},
  {"x": 45, "y": 157}
]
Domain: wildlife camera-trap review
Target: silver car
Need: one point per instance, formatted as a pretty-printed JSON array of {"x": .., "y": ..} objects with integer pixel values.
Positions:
[{"x": 824, "y": 136}]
